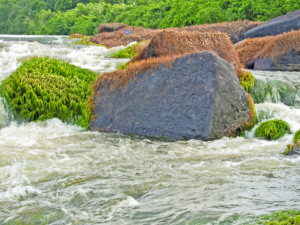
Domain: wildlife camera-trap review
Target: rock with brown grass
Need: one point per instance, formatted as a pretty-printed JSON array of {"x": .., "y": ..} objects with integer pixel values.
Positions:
[
  {"x": 277, "y": 25},
  {"x": 281, "y": 52},
  {"x": 75, "y": 36},
  {"x": 193, "y": 96},
  {"x": 110, "y": 27},
  {"x": 112, "y": 35},
  {"x": 170, "y": 43}
]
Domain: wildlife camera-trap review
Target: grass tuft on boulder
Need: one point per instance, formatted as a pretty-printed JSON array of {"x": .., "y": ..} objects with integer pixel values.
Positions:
[
  {"x": 281, "y": 218},
  {"x": 75, "y": 36},
  {"x": 296, "y": 137},
  {"x": 247, "y": 81},
  {"x": 272, "y": 129},
  {"x": 128, "y": 52},
  {"x": 44, "y": 88}
]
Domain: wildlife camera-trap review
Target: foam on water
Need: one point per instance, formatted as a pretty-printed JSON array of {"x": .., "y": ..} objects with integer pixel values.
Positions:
[{"x": 57, "y": 173}]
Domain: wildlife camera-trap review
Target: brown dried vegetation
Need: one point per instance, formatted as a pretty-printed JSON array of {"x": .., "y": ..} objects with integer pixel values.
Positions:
[
  {"x": 268, "y": 47},
  {"x": 247, "y": 49},
  {"x": 118, "y": 79},
  {"x": 168, "y": 43},
  {"x": 120, "y": 37},
  {"x": 76, "y": 35}
]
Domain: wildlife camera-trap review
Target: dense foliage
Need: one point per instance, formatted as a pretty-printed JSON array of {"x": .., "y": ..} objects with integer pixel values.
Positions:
[
  {"x": 272, "y": 129},
  {"x": 44, "y": 88},
  {"x": 84, "y": 16}
]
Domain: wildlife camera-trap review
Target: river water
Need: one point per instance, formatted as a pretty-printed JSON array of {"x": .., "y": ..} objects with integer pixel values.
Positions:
[{"x": 56, "y": 173}]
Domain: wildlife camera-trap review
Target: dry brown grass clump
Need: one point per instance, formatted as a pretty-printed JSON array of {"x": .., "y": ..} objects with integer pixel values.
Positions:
[
  {"x": 280, "y": 45},
  {"x": 117, "y": 37},
  {"x": 168, "y": 43},
  {"x": 233, "y": 29},
  {"x": 248, "y": 49},
  {"x": 118, "y": 79},
  {"x": 268, "y": 47}
]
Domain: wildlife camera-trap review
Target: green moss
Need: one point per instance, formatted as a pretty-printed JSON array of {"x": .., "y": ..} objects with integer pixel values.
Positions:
[
  {"x": 247, "y": 81},
  {"x": 288, "y": 149},
  {"x": 123, "y": 66},
  {"x": 272, "y": 129},
  {"x": 281, "y": 218},
  {"x": 296, "y": 137},
  {"x": 128, "y": 52},
  {"x": 44, "y": 88},
  {"x": 86, "y": 41}
]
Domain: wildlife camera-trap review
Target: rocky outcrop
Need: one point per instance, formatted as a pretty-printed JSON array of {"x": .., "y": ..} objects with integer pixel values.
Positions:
[
  {"x": 75, "y": 36},
  {"x": 276, "y": 26},
  {"x": 193, "y": 96},
  {"x": 112, "y": 35},
  {"x": 281, "y": 52},
  {"x": 170, "y": 43},
  {"x": 123, "y": 36},
  {"x": 110, "y": 27}
]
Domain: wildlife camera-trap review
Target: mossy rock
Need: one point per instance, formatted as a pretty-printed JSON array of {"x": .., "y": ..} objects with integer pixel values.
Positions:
[
  {"x": 86, "y": 41},
  {"x": 272, "y": 129},
  {"x": 291, "y": 217},
  {"x": 296, "y": 137},
  {"x": 247, "y": 81},
  {"x": 128, "y": 52},
  {"x": 44, "y": 88},
  {"x": 75, "y": 36}
]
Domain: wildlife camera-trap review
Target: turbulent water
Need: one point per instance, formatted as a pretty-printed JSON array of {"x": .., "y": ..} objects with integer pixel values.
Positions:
[{"x": 55, "y": 173}]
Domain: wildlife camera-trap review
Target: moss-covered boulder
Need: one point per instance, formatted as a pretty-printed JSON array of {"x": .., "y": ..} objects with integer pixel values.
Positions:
[
  {"x": 272, "y": 129},
  {"x": 44, "y": 88},
  {"x": 281, "y": 218}
]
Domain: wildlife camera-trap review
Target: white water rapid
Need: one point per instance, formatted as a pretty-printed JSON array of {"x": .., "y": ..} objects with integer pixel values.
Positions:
[{"x": 55, "y": 173}]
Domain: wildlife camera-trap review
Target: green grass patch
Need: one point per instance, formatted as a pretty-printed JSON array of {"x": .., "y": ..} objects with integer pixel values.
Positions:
[
  {"x": 247, "y": 81},
  {"x": 281, "y": 218},
  {"x": 44, "y": 88},
  {"x": 296, "y": 137},
  {"x": 272, "y": 129},
  {"x": 86, "y": 41},
  {"x": 128, "y": 52}
]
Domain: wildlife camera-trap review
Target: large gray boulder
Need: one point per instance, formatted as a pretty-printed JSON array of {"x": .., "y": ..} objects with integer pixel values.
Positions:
[
  {"x": 198, "y": 97},
  {"x": 277, "y": 25}
]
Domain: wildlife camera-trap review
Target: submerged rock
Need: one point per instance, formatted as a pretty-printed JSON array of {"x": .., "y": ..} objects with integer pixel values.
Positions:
[
  {"x": 193, "y": 96},
  {"x": 277, "y": 25}
]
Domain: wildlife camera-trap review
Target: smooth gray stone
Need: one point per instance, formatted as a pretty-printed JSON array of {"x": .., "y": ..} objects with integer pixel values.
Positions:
[
  {"x": 286, "y": 62},
  {"x": 199, "y": 97},
  {"x": 277, "y": 25}
]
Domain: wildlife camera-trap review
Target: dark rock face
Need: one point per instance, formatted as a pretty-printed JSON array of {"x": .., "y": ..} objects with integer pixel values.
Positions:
[
  {"x": 286, "y": 62},
  {"x": 110, "y": 27},
  {"x": 276, "y": 26},
  {"x": 198, "y": 97}
]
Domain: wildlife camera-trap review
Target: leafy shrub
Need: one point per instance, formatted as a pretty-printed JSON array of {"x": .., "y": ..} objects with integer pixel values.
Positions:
[
  {"x": 44, "y": 88},
  {"x": 272, "y": 129}
]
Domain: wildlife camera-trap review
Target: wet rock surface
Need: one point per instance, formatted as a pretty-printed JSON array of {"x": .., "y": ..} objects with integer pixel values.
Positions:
[
  {"x": 198, "y": 97},
  {"x": 277, "y": 25}
]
